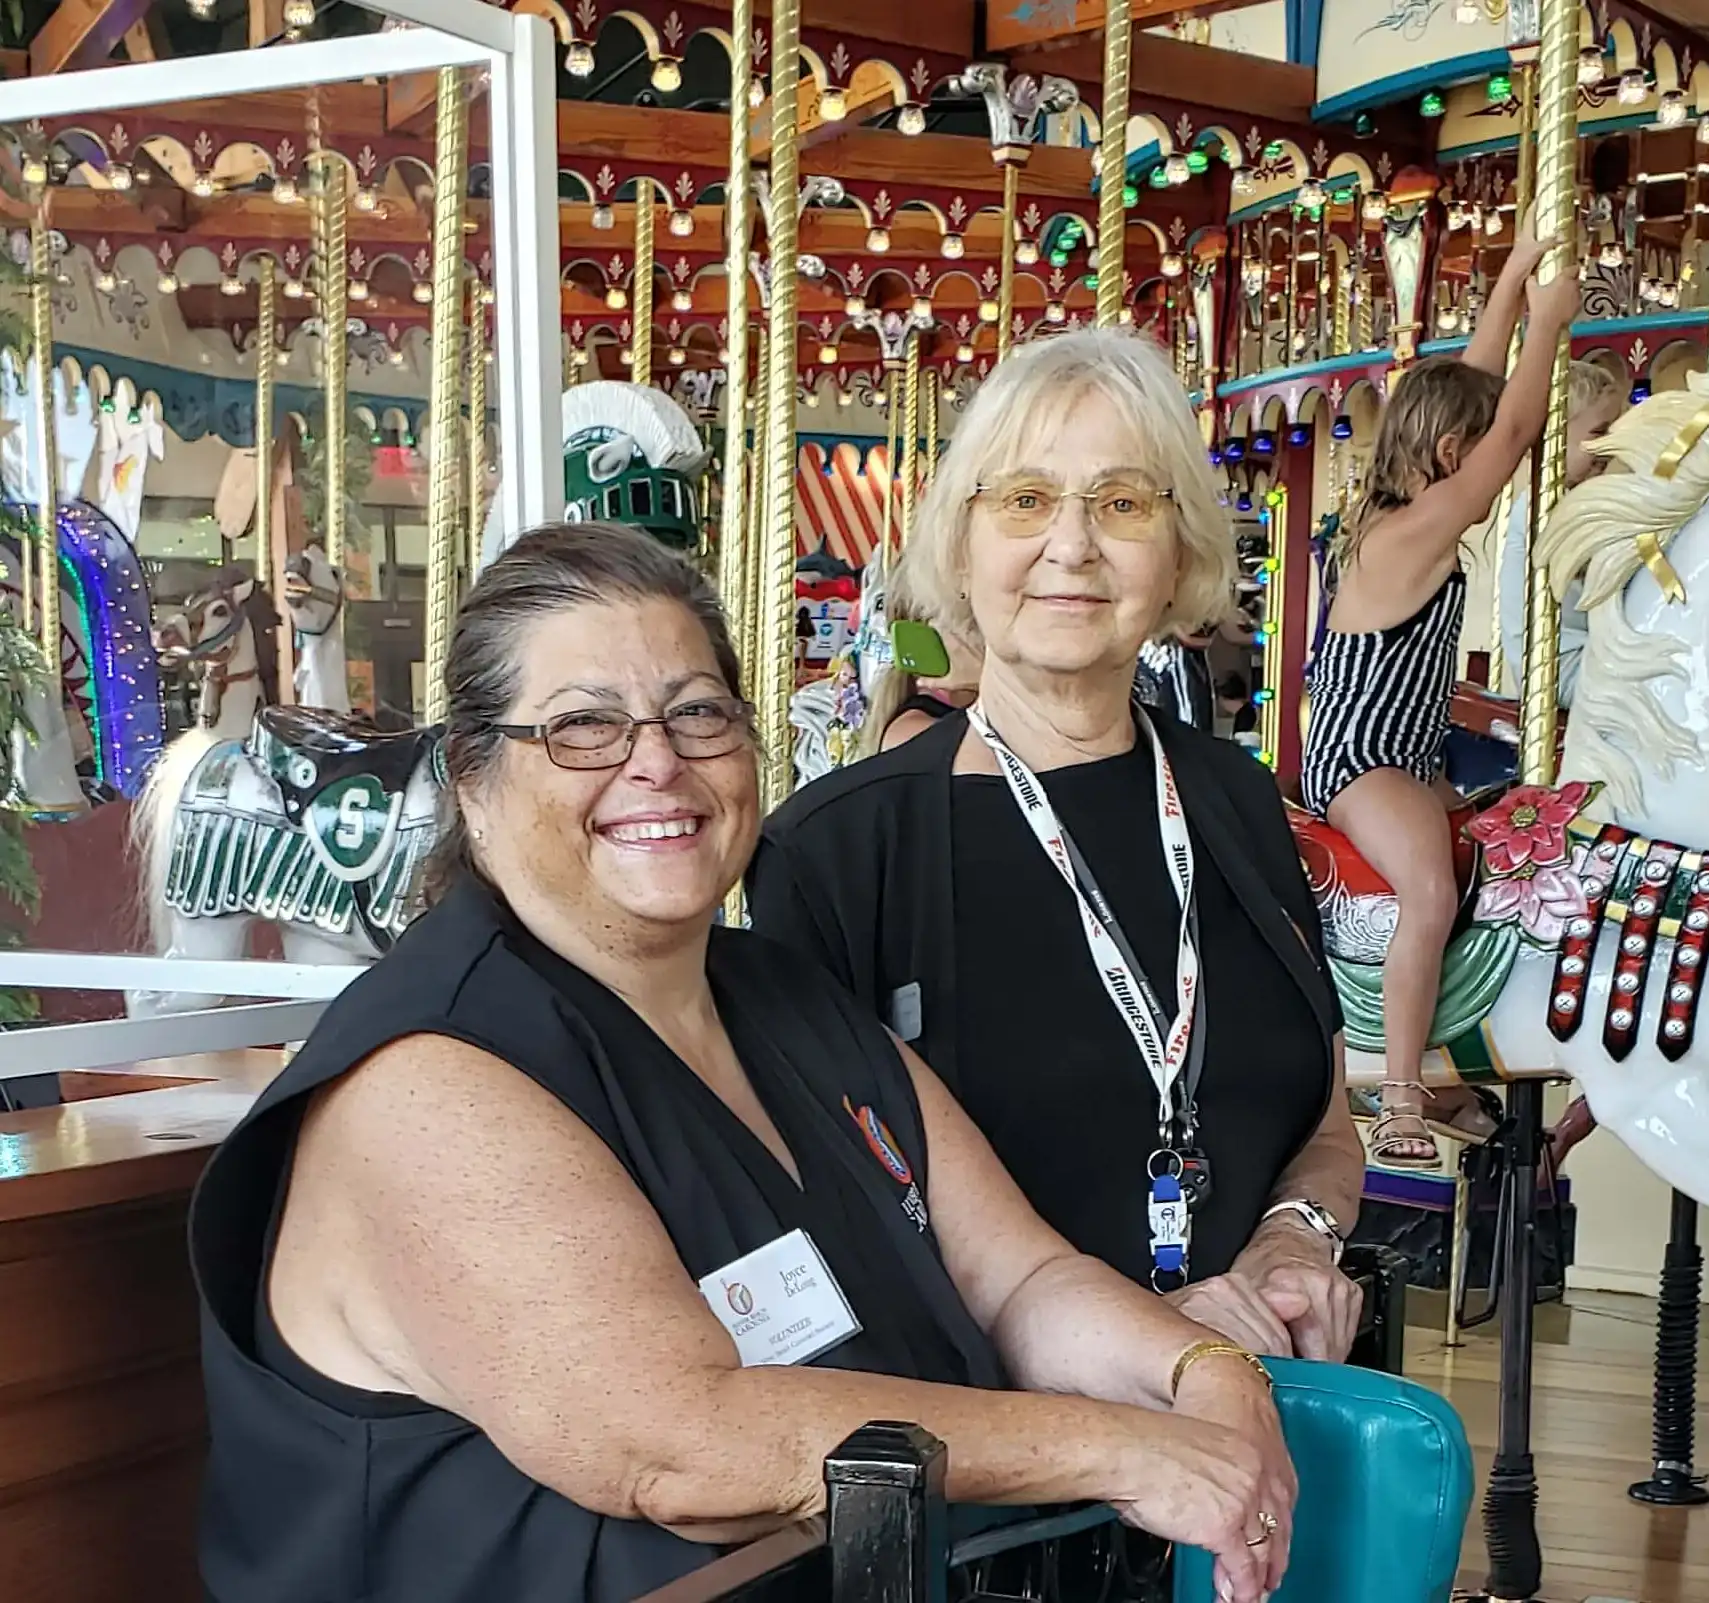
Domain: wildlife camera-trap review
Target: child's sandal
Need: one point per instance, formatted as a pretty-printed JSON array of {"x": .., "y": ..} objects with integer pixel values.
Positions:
[{"x": 1400, "y": 1139}]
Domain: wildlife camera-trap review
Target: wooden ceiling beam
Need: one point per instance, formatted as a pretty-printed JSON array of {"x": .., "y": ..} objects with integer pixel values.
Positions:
[
  {"x": 1004, "y": 32},
  {"x": 82, "y": 33}
]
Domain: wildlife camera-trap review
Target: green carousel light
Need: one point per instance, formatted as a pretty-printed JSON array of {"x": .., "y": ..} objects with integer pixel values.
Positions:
[{"x": 1432, "y": 105}]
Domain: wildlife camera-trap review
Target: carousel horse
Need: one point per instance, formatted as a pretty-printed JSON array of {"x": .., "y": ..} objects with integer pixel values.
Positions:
[
  {"x": 1581, "y": 954},
  {"x": 827, "y": 714},
  {"x": 222, "y": 639},
  {"x": 314, "y": 599}
]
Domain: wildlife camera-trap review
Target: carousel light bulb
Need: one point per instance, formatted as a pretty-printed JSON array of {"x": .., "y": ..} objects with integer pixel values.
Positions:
[
  {"x": 1612, "y": 254},
  {"x": 395, "y": 357},
  {"x": 35, "y": 170},
  {"x": 988, "y": 311},
  {"x": 1703, "y": 130},
  {"x": 358, "y": 289},
  {"x": 964, "y": 353},
  {"x": 1242, "y": 182},
  {"x": 421, "y": 292},
  {"x": 299, "y": 13},
  {"x": 1376, "y": 206},
  {"x": 845, "y": 397},
  {"x": 811, "y": 398},
  {"x": 202, "y": 186},
  {"x": 578, "y": 59},
  {"x": 1447, "y": 320},
  {"x": 285, "y": 191},
  {"x": 878, "y": 240},
  {"x": 682, "y": 300},
  {"x": 603, "y": 216},
  {"x": 756, "y": 93},
  {"x": 367, "y": 198},
  {"x": 833, "y": 105},
  {"x": 911, "y": 120},
  {"x": 1669, "y": 295},
  {"x": 723, "y": 355},
  {"x": 626, "y": 357},
  {"x": 1026, "y": 252},
  {"x": 1456, "y": 217},
  {"x": 828, "y": 355},
  {"x": 1056, "y": 312},
  {"x": 1492, "y": 221},
  {"x": 1590, "y": 65},
  {"x": 1125, "y": 317},
  {"x": 667, "y": 75},
  {"x": 488, "y": 295},
  {"x": 105, "y": 281},
  {"x": 1176, "y": 170},
  {"x": 922, "y": 309},
  {"x": 855, "y": 306},
  {"x": 681, "y": 223},
  {"x": 167, "y": 283},
  {"x": 1173, "y": 265},
  {"x": 231, "y": 285},
  {"x": 294, "y": 290},
  {"x": 616, "y": 297},
  {"x": 1671, "y": 112},
  {"x": 579, "y": 357},
  {"x": 1468, "y": 13},
  {"x": 676, "y": 356},
  {"x": 1634, "y": 87},
  {"x": 1649, "y": 289},
  {"x": 119, "y": 176}
]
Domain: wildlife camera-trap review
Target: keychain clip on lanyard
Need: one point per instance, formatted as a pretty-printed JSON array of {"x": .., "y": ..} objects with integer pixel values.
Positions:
[{"x": 1172, "y": 1050}]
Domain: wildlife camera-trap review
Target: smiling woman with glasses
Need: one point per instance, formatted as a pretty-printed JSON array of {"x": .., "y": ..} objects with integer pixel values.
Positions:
[
  {"x": 581, "y": 1230},
  {"x": 1091, "y": 922}
]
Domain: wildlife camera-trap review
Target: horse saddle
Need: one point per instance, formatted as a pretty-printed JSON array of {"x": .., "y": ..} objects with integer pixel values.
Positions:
[{"x": 309, "y": 752}]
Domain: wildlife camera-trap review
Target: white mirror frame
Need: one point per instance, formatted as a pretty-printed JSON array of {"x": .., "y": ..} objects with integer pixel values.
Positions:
[{"x": 518, "y": 53}]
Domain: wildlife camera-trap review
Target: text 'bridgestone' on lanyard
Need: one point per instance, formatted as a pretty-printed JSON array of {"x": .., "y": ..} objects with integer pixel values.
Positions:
[{"x": 1165, "y": 1054}]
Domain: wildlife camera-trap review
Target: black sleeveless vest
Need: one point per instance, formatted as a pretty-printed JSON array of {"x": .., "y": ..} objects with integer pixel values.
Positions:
[{"x": 386, "y": 1500}]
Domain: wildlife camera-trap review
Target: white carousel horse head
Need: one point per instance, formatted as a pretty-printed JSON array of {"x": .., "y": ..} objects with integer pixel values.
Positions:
[
  {"x": 872, "y": 650},
  {"x": 314, "y": 598},
  {"x": 212, "y": 636},
  {"x": 74, "y": 422},
  {"x": 128, "y": 436}
]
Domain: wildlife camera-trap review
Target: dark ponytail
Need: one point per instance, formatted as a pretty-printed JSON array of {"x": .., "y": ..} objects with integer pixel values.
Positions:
[{"x": 548, "y": 570}]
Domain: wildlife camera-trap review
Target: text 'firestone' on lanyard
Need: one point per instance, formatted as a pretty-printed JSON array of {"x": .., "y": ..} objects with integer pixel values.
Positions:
[{"x": 1165, "y": 1055}]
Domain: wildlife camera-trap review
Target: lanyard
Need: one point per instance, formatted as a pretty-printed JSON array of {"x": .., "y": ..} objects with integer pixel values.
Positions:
[{"x": 1163, "y": 1043}]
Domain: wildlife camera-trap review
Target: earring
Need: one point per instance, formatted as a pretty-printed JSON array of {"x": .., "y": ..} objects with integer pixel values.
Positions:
[{"x": 479, "y": 834}]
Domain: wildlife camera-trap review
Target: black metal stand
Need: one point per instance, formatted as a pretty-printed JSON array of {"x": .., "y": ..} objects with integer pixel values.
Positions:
[
  {"x": 887, "y": 1519},
  {"x": 1510, "y": 1499},
  {"x": 1674, "y": 1482}
]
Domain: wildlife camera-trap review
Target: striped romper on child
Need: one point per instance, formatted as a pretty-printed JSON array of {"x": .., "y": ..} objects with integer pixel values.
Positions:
[{"x": 1380, "y": 699}]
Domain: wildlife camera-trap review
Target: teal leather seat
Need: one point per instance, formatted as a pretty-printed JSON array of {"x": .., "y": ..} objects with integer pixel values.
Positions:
[{"x": 1385, "y": 1486}]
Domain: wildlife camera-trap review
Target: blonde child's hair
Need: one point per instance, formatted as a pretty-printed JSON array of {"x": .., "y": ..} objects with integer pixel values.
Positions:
[
  {"x": 1589, "y": 383},
  {"x": 1441, "y": 396},
  {"x": 894, "y": 684}
]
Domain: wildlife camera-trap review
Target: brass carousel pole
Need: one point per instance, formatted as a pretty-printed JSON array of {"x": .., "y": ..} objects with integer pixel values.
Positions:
[
  {"x": 47, "y": 445},
  {"x": 266, "y": 365},
  {"x": 1525, "y": 193},
  {"x": 738, "y": 218},
  {"x": 911, "y": 430},
  {"x": 333, "y": 289},
  {"x": 932, "y": 403},
  {"x": 1112, "y": 162},
  {"x": 892, "y": 401},
  {"x": 477, "y": 427},
  {"x": 1006, "y": 283},
  {"x": 777, "y": 570},
  {"x": 753, "y": 543},
  {"x": 641, "y": 300},
  {"x": 1557, "y": 213},
  {"x": 450, "y": 187}
]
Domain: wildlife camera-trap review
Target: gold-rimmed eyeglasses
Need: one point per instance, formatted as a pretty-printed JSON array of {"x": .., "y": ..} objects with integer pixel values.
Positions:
[
  {"x": 604, "y": 737},
  {"x": 1123, "y": 506}
]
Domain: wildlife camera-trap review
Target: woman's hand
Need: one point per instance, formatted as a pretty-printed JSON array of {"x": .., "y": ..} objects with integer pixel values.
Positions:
[
  {"x": 1233, "y": 1305},
  {"x": 1225, "y": 1391},
  {"x": 1205, "y": 1485},
  {"x": 1288, "y": 1265}
]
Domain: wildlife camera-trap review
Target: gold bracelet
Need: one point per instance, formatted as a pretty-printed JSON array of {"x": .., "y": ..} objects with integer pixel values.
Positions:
[{"x": 1215, "y": 1349}]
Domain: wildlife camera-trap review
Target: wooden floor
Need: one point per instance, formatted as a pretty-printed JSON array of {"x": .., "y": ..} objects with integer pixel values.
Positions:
[{"x": 1591, "y": 1438}]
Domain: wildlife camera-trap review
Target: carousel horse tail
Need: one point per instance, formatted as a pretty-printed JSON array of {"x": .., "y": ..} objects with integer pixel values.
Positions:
[{"x": 151, "y": 824}]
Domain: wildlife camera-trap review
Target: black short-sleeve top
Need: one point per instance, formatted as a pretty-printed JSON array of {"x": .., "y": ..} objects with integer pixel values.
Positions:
[{"x": 319, "y": 1492}]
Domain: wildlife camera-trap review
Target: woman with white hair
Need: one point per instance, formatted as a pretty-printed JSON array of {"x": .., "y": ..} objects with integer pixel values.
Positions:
[{"x": 1090, "y": 919}]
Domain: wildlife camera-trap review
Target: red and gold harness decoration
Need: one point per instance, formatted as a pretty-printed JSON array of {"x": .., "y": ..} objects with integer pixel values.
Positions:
[
  {"x": 1685, "y": 972},
  {"x": 1572, "y": 966}
]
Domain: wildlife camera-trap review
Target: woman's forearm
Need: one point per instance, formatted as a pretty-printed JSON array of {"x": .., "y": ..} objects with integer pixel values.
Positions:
[{"x": 735, "y": 1449}]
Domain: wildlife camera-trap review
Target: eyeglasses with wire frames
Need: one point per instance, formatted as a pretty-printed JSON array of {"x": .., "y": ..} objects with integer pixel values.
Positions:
[
  {"x": 1123, "y": 506},
  {"x": 600, "y": 737}
]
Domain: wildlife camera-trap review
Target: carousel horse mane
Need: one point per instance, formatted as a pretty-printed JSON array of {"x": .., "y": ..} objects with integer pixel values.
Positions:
[{"x": 1600, "y": 530}]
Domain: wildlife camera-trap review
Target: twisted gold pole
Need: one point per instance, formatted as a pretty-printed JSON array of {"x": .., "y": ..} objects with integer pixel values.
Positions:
[
  {"x": 1557, "y": 212},
  {"x": 777, "y": 643},
  {"x": 641, "y": 301},
  {"x": 47, "y": 444},
  {"x": 450, "y": 188},
  {"x": 1006, "y": 283},
  {"x": 910, "y": 432},
  {"x": 1112, "y": 161},
  {"x": 477, "y": 428},
  {"x": 333, "y": 274},
  {"x": 1525, "y": 193},
  {"x": 753, "y": 544},
  {"x": 266, "y": 365},
  {"x": 738, "y": 225},
  {"x": 892, "y": 432},
  {"x": 931, "y": 405}
]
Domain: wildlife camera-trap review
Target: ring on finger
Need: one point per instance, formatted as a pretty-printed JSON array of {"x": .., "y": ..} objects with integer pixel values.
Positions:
[{"x": 1268, "y": 1525}]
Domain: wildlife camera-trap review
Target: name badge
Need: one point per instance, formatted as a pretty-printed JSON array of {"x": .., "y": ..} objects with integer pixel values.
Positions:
[
  {"x": 906, "y": 1012},
  {"x": 780, "y": 1303}
]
